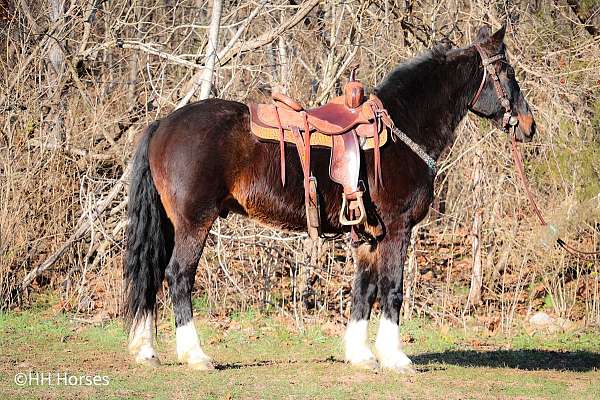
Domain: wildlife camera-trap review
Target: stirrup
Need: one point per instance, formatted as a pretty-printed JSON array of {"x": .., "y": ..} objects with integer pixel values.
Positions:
[{"x": 352, "y": 206}]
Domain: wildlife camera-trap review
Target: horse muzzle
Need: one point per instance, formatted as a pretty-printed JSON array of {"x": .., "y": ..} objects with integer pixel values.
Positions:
[{"x": 525, "y": 127}]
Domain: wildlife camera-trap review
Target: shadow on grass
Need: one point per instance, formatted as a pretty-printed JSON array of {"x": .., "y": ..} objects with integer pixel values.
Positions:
[
  {"x": 263, "y": 363},
  {"x": 530, "y": 360}
]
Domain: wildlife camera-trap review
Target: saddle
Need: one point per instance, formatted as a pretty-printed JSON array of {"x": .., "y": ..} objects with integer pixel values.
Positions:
[{"x": 346, "y": 124}]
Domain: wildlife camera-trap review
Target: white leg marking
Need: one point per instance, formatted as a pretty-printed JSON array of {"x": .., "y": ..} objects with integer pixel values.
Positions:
[
  {"x": 389, "y": 347},
  {"x": 189, "y": 350},
  {"x": 356, "y": 341},
  {"x": 141, "y": 341}
]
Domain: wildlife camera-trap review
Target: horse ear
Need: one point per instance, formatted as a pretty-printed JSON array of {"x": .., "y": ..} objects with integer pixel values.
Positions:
[
  {"x": 443, "y": 45},
  {"x": 498, "y": 37},
  {"x": 483, "y": 33}
]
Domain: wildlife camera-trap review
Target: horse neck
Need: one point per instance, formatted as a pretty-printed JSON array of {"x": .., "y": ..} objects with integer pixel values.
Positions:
[{"x": 429, "y": 105}]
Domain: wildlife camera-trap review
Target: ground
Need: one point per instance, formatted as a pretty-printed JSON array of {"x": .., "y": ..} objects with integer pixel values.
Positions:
[{"x": 261, "y": 356}]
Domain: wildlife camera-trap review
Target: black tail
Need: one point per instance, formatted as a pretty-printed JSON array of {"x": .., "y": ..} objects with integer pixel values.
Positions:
[{"x": 149, "y": 237}]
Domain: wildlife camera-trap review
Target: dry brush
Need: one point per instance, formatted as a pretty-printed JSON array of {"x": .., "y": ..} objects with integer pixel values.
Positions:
[{"x": 82, "y": 79}]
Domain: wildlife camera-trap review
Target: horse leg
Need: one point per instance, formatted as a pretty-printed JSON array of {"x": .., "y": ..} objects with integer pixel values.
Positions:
[
  {"x": 149, "y": 247},
  {"x": 141, "y": 340},
  {"x": 392, "y": 254},
  {"x": 364, "y": 292},
  {"x": 180, "y": 274}
]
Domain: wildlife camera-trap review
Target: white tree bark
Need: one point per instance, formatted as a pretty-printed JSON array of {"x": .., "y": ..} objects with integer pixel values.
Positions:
[
  {"x": 283, "y": 62},
  {"x": 204, "y": 78},
  {"x": 56, "y": 68},
  {"x": 55, "y": 54},
  {"x": 476, "y": 275},
  {"x": 411, "y": 275},
  {"x": 232, "y": 48},
  {"x": 211, "y": 50}
]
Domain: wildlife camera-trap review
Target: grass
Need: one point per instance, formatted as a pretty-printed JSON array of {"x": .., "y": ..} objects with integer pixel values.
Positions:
[{"x": 262, "y": 356}]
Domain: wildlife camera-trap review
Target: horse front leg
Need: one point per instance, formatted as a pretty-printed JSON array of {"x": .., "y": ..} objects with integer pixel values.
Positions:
[
  {"x": 364, "y": 292},
  {"x": 388, "y": 345}
]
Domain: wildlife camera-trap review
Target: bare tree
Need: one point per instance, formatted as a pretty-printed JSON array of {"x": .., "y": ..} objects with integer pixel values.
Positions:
[
  {"x": 79, "y": 81},
  {"x": 211, "y": 50},
  {"x": 477, "y": 274}
]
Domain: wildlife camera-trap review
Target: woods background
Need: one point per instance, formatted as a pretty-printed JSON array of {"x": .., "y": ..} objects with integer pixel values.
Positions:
[{"x": 79, "y": 80}]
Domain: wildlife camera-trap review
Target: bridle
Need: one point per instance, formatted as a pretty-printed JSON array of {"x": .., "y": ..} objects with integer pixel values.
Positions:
[
  {"x": 489, "y": 68},
  {"x": 509, "y": 125}
]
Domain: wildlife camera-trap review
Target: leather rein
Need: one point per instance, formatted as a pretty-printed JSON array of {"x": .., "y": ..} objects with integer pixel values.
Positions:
[{"x": 509, "y": 125}]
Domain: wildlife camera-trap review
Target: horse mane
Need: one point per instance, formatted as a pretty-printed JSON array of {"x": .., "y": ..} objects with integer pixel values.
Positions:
[
  {"x": 413, "y": 68},
  {"x": 423, "y": 95}
]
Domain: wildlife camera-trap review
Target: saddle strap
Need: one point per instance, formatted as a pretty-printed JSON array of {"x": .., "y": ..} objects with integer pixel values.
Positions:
[
  {"x": 299, "y": 145},
  {"x": 306, "y": 157},
  {"x": 377, "y": 161},
  {"x": 303, "y": 146},
  {"x": 281, "y": 146},
  {"x": 311, "y": 201},
  {"x": 377, "y": 127}
]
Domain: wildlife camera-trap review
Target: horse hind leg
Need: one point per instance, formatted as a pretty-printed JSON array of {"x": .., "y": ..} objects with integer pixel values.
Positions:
[
  {"x": 364, "y": 292},
  {"x": 141, "y": 341},
  {"x": 180, "y": 274},
  {"x": 149, "y": 247}
]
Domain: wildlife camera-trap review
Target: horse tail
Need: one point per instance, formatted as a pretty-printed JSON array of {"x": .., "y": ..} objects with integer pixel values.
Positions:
[{"x": 149, "y": 237}]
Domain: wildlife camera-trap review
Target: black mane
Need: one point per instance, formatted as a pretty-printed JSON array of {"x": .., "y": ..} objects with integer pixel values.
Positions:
[
  {"x": 414, "y": 67},
  {"x": 426, "y": 97}
]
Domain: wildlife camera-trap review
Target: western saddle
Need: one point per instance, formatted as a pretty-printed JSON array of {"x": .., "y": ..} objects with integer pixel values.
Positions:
[{"x": 346, "y": 124}]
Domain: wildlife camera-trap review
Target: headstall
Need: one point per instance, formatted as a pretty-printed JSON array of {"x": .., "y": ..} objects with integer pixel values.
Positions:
[
  {"x": 509, "y": 124},
  {"x": 489, "y": 68}
]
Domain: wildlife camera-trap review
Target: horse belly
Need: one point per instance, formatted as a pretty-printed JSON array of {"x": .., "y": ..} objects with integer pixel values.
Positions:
[{"x": 258, "y": 193}]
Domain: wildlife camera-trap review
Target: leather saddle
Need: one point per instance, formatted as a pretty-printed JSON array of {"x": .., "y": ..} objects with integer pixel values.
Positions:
[{"x": 346, "y": 124}]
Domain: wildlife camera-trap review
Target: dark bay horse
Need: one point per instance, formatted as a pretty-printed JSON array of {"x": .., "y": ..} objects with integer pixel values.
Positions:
[{"x": 202, "y": 162}]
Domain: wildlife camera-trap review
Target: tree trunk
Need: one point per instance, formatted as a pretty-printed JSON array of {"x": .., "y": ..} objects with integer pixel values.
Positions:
[
  {"x": 476, "y": 275},
  {"x": 411, "y": 276},
  {"x": 203, "y": 79},
  {"x": 283, "y": 62},
  {"x": 55, "y": 70},
  {"x": 211, "y": 50}
]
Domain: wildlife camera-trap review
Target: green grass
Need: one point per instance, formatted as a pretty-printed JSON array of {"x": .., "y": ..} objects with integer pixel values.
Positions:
[{"x": 260, "y": 356}]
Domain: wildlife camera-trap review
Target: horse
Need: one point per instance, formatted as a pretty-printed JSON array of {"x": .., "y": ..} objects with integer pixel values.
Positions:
[{"x": 202, "y": 162}]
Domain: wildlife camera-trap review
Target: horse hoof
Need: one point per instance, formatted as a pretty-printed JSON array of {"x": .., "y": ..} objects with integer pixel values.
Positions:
[
  {"x": 202, "y": 366},
  {"x": 369, "y": 364},
  {"x": 395, "y": 361},
  {"x": 148, "y": 361}
]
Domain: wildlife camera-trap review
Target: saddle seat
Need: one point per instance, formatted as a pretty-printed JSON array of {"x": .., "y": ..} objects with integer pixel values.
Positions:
[
  {"x": 332, "y": 118},
  {"x": 346, "y": 124}
]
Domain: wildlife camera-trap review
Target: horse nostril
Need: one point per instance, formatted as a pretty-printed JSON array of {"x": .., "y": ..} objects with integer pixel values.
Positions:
[
  {"x": 532, "y": 130},
  {"x": 526, "y": 124}
]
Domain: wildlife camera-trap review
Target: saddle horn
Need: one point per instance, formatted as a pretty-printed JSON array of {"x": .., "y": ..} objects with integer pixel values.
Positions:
[{"x": 354, "y": 91}]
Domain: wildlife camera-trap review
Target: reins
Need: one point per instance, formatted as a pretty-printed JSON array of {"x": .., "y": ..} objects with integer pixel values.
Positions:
[
  {"x": 518, "y": 160},
  {"x": 509, "y": 125}
]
